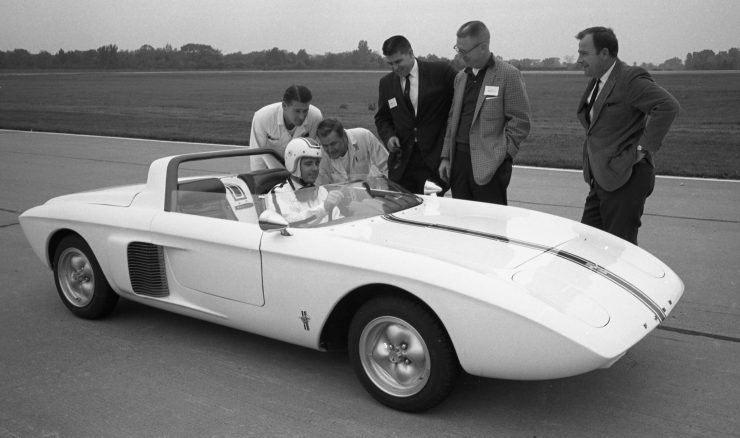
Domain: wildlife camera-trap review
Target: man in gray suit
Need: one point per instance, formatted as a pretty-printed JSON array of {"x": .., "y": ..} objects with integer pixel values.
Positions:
[
  {"x": 489, "y": 119},
  {"x": 626, "y": 116}
]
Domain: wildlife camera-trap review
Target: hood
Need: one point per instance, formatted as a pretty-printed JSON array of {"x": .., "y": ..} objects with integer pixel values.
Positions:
[
  {"x": 579, "y": 271},
  {"x": 541, "y": 229},
  {"x": 482, "y": 237},
  {"x": 555, "y": 259}
]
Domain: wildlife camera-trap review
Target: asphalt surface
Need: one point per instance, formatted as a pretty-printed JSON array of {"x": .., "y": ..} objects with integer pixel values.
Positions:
[{"x": 143, "y": 372}]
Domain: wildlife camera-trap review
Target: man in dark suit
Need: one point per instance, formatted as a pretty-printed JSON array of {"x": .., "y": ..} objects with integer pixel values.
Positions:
[
  {"x": 626, "y": 116},
  {"x": 413, "y": 103},
  {"x": 488, "y": 122}
]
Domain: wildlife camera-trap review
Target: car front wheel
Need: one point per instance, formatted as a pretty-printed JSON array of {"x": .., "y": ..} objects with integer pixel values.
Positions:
[
  {"x": 402, "y": 354},
  {"x": 80, "y": 281}
]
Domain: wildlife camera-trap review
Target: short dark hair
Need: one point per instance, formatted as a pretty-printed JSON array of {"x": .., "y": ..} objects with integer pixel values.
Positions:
[
  {"x": 396, "y": 44},
  {"x": 475, "y": 29},
  {"x": 604, "y": 38},
  {"x": 327, "y": 126},
  {"x": 297, "y": 93}
]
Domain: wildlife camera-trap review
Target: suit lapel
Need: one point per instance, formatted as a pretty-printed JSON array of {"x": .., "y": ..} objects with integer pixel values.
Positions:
[
  {"x": 423, "y": 80},
  {"x": 457, "y": 99},
  {"x": 397, "y": 90},
  {"x": 606, "y": 91},
  {"x": 581, "y": 111},
  {"x": 488, "y": 79},
  {"x": 586, "y": 92}
]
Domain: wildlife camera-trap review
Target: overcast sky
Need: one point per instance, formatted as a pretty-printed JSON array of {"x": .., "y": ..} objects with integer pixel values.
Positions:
[{"x": 648, "y": 30}]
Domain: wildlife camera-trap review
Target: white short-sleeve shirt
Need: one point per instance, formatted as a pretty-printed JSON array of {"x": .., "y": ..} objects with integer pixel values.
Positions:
[{"x": 269, "y": 131}]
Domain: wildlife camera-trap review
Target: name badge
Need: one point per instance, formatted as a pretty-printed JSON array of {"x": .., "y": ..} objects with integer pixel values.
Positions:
[
  {"x": 491, "y": 90},
  {"x": 392, "y": 103}
]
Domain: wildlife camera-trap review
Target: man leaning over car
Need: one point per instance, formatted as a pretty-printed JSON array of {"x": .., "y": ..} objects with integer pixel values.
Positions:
[{"x": 349, "y": 154}]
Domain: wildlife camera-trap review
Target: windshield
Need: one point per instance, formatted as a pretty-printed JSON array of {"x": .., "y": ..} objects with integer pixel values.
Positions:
[
  {"x": 242, "y": 188},
  {"x": 338, "y": 203}
]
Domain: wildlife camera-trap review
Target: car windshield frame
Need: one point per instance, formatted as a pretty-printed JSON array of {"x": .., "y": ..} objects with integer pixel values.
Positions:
[{"x": 214, "y": 184}]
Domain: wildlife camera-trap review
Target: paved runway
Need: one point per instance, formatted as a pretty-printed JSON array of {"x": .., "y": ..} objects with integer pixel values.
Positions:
[{"x": 144, "y": 372}]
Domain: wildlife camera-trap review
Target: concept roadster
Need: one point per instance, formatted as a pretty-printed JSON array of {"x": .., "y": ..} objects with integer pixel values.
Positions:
[{"x": 416, "y": 288}]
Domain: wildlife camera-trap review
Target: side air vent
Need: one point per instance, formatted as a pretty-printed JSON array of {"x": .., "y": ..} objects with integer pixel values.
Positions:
[{"x": 146, "y": 269}]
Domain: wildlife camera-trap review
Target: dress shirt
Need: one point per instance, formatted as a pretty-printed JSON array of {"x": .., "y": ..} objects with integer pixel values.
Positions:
[
  {"x": 602, "y": 80},
  {"x": 366, "y": 157},
  {"x": 269, "y": 130},
  {"x": 414, "y": 81}
]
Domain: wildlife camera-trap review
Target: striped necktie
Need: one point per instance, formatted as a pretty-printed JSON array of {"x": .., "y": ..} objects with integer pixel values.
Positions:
[{"x": 591, "y": 101}]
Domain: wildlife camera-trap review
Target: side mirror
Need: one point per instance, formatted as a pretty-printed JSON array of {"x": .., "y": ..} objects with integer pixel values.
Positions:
[
  {"x": 272, "y": 221},
  {"x": 430, "y": 188}
]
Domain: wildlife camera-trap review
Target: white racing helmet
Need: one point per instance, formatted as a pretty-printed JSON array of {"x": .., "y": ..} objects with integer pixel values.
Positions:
[{"x": 297, "y": 149}]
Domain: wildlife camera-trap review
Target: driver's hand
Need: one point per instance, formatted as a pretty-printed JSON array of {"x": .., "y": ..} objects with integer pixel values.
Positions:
[{"x": 334, "y": 198}]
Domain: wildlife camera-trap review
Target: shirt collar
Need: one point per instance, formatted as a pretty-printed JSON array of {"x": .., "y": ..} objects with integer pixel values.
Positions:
[
  {"x": 351, "y": 146},
  {"x": 351, "y": 142},
  {"x": 415, "y": 69},
  {"x": 605, "y": 76},
  {"x": 413, "y": 73},
  {"x": 490, "y": 64},
  {"x": 297, "y": 182},
  {"x": 280, "y": 120}
]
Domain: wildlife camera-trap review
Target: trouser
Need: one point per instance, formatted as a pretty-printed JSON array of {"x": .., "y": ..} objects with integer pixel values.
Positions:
[
  {"x": 463, "y": 183},
  {"x": 619, "y": 212},
  {"x": 416, "y": 173}
]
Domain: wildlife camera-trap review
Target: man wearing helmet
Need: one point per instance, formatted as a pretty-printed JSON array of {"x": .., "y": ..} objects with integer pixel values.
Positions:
[{"x": 298, "y": 199}]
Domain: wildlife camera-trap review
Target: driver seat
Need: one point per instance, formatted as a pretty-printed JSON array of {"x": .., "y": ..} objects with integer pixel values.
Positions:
[{"x": 262, "y": 181}]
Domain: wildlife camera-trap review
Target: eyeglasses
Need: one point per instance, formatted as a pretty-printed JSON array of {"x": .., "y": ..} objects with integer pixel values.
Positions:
[{"x": 465, "y": 52}]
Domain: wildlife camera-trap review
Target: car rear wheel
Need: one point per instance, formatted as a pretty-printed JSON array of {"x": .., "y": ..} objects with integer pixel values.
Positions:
[
  {"x": 402, "y": 354},
  {"x": 80, "y": 281}
]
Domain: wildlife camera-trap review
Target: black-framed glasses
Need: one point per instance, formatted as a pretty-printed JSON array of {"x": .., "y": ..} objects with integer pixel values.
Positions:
[{"x": 465, "y": 52}]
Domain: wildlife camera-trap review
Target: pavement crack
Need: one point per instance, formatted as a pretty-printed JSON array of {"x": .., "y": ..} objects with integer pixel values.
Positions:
[
  {"x": 95, "y": 160},
  {"x": 8, "y": 210},
  {"x": 689, "y": 218},
  {"x": 698, "y": 333}
]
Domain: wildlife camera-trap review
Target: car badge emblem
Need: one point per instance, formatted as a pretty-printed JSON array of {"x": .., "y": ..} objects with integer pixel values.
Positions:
[{"x": 305, "y": 318}]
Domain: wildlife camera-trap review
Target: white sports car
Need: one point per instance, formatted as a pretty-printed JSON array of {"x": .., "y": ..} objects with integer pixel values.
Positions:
[{"x": 415, "y": 287}]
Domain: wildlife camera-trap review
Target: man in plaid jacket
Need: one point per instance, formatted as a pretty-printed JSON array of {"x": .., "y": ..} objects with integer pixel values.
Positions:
[{"x": 489, "y": 119}]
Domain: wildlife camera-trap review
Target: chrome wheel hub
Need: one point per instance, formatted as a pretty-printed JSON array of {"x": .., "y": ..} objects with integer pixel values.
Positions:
[
  {"x": 76, "y": 277},
  {"x": 395, "y": 356}
]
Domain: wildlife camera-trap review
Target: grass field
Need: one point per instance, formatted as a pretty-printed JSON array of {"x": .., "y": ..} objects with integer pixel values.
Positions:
[{"x": 218, "y": 106}]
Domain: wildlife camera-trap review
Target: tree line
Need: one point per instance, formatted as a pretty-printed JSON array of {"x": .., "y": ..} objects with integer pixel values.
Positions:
[{"x": 204, "y": 57}]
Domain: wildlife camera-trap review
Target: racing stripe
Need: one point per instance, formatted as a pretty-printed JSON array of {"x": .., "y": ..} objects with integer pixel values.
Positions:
[{"x": 658, "y": 311}]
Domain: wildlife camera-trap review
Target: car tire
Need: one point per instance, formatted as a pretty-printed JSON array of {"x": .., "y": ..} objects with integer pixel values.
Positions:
[
  {"x": 80, "y": 281},
  {"x": 402, "y": 354}
]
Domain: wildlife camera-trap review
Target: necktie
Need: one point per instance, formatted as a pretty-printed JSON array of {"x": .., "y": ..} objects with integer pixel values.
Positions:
[
  {"x": 407, "y": 93},
  {"x": 592, "y": 99}
]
